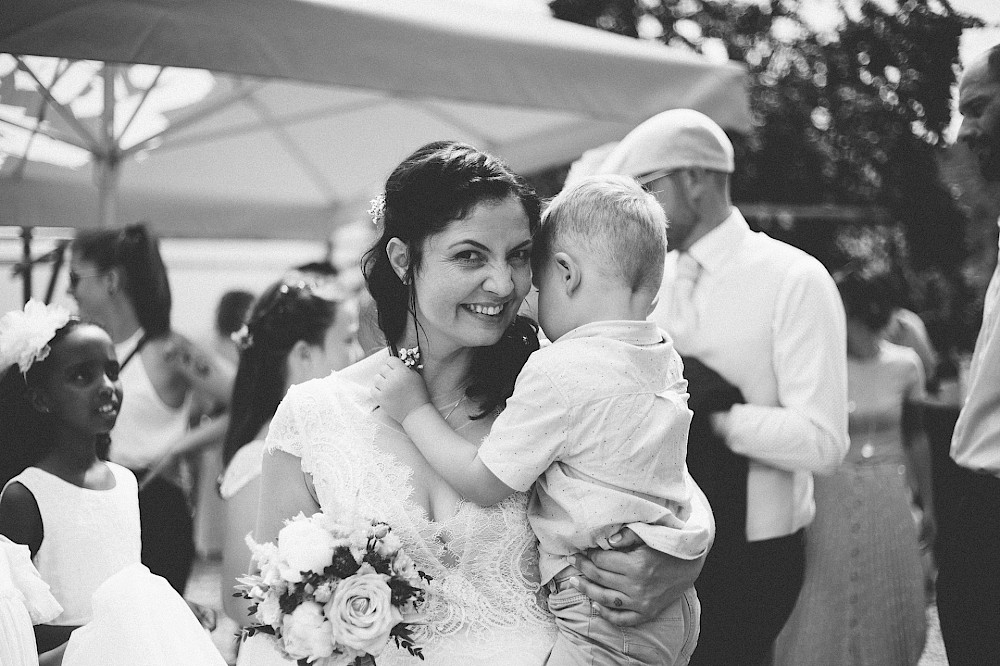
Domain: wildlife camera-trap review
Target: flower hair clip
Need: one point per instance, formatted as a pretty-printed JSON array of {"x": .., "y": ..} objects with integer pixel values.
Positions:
[
  {"x": 25, "y": 334},
  {"x": 377, "y": 209},
  {"x": 243, "y": 338},
  {"x": 411, "y": 358}
]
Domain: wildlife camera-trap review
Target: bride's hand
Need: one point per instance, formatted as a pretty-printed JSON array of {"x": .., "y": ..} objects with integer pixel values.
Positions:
[
  {"x": 398, "y": 389},
  {"x": 633, "y": 583}
]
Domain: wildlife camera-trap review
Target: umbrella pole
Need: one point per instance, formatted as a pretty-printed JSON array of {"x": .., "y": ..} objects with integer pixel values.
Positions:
[
  {"x": 26, "y": 263},
  {"x": 109, "y": 161},
  {"x": 108, "y": 175}
]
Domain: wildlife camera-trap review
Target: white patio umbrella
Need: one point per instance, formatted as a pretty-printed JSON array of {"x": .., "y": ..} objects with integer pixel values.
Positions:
[{"x": 278, "y": 118}]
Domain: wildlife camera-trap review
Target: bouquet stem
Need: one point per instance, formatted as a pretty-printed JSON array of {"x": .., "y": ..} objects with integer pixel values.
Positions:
[{"x": 366, "y": 660}]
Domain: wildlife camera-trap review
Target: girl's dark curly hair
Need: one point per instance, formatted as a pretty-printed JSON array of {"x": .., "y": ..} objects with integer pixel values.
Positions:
[{"x": 436, "y": 185}]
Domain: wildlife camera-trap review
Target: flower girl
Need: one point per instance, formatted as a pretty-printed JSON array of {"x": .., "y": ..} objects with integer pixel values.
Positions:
[{"x": 79, "y": 515}]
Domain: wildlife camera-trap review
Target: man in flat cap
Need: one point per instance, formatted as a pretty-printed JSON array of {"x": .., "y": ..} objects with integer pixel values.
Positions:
[
  {"x": 768, "y": 319},
  {"x": 968, "y": 544}
]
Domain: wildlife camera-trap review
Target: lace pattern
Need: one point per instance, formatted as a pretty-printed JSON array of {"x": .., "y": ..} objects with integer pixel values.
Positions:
[{"x": 485, "y": 605}]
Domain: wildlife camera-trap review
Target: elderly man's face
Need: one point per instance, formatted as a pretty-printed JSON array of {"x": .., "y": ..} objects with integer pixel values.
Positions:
[{"x": 979, "y": 103}]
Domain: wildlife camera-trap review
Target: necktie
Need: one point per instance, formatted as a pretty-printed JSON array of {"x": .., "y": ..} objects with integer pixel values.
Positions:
[{"x": 682, "y": 315}]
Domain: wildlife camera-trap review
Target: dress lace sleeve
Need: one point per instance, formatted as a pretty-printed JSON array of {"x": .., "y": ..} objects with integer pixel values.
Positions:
[{"x": 285, "y": 433}]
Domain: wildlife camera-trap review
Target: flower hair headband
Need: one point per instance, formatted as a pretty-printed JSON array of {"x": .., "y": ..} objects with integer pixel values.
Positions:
[{"x": 25, "y": 334}]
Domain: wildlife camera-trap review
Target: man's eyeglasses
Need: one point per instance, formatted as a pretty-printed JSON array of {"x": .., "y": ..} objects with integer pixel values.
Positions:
[
  {"x": 647, "y": 179},
  {"x": 74, "y": 277}
]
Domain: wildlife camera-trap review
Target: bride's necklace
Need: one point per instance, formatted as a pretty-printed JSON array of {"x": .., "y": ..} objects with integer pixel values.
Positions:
[{"x": 452, "y": 409}]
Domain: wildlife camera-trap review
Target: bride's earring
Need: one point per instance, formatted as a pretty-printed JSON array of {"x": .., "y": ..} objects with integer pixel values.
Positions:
[{"x": 411, "y": 358}]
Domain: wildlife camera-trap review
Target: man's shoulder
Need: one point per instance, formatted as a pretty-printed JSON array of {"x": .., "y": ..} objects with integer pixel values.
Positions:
[{"x": 777, "y": 256}]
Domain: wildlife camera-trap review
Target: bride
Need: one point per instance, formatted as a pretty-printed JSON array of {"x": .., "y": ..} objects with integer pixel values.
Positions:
[{"x": 448, "y": 274}]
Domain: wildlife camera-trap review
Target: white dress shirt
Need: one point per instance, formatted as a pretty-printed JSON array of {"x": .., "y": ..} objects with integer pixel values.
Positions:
[
  {"x": 976, "y": 441},
  {"x": 770, "y": 321}
]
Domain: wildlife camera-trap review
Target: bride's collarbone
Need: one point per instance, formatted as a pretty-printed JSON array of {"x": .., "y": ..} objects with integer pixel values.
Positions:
[{"x": 429, "y": 490}]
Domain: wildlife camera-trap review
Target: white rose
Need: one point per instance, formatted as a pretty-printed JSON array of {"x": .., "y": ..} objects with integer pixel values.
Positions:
[
  {"x": 269, "y": 611},
  {"x": 304, "y": 546},
  {"x": 388, "y": 545},
  {"x": 362, "y": 614},
  {"x": 305, "y": 633}
]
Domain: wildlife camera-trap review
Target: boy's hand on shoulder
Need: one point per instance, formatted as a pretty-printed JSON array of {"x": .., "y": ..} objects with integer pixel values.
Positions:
[{"x": 398, "y": 389}]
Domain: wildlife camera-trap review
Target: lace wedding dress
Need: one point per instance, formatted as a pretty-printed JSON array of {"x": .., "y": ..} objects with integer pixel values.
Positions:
[{"x": 484, "y": 606}]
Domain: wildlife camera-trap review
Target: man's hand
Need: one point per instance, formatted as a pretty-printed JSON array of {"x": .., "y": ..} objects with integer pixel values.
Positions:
[
  {"x": 398, "y": 389},
  {"x": 633, "y": 583}
]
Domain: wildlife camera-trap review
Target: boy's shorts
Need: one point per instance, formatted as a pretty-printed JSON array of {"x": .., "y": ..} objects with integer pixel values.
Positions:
[{"x": 587, "y": 638}]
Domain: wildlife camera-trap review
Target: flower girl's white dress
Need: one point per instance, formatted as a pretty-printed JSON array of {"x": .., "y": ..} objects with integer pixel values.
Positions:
[
  {"x": 25, "y": 600},
  {"x": 90, "y": 558},
  {"x": 483, "y": 607}
]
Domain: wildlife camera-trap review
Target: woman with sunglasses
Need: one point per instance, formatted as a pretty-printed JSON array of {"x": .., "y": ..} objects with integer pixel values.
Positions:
[{"x": 120, "y": 282}]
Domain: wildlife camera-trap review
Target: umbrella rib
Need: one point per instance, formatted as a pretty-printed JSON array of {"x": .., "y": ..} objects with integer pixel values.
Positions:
[
  {"x": 289, "y": 119},
  {"x": 245, "y": 90},
  {"x": 138, "y": 107},
  {"x": 61, "y": 109},
  {"x": 298, "y": 155},
  {"x": 55, "y": 136},
  {"x": 479, "y": 139}
]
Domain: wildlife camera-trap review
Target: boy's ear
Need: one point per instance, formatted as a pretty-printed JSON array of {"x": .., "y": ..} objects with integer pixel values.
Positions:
[
  {"x": 399, "y": 258},
  {"x": 568, "y": 271},
  {"x": 39, "y": 400}
]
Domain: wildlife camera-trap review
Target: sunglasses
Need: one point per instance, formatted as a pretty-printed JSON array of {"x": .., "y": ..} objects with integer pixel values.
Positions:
[{"x": 74, "y": 277}]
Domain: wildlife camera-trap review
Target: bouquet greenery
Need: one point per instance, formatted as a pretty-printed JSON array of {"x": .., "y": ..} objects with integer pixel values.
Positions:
[{"x": 333, "y": 592}]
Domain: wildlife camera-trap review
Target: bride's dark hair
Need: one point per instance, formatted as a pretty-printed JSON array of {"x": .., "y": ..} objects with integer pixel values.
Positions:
[{"x": 436, "y": 185}]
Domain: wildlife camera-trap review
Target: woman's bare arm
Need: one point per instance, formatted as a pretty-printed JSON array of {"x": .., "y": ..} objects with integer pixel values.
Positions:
[
  {"x": 284, "y": 492},
  {"x": 202, "y": 369},
  {"x": 241, "y": 516}
]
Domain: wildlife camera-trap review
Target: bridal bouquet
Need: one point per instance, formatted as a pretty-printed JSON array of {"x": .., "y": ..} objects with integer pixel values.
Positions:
[{"x": 332, "y": 591}]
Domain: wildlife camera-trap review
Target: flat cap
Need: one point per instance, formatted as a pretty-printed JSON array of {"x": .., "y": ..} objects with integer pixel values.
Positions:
[{"x": 675, "y": 139}]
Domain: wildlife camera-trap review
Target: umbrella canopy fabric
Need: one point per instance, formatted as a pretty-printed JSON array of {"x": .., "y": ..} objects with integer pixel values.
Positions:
[{"x": 306, "y": 105}]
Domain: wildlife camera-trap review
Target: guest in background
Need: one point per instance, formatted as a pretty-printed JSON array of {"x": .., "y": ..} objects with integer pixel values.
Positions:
[
  {"x": 209, "y": 423},
  {"x": 766, "y": 317},
  {"x": 296, "y": 331},
  {"x": 863, "y": 599},
  {"x": 968, "y": 583},
  {"x": 229, "y": 316},
  {"x": 907, "y": 329},
  {"x": 119, "y": 281}
]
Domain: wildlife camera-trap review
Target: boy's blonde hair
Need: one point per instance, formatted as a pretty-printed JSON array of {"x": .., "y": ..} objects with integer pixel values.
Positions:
[{"x": 615, "y": 220}]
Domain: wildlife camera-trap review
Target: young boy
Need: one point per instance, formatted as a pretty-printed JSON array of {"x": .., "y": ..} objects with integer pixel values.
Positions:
[{"x": 597, "y": 424}]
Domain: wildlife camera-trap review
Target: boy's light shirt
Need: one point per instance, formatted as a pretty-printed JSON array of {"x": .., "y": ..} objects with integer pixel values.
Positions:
[{"x": 600, "y": 419}]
